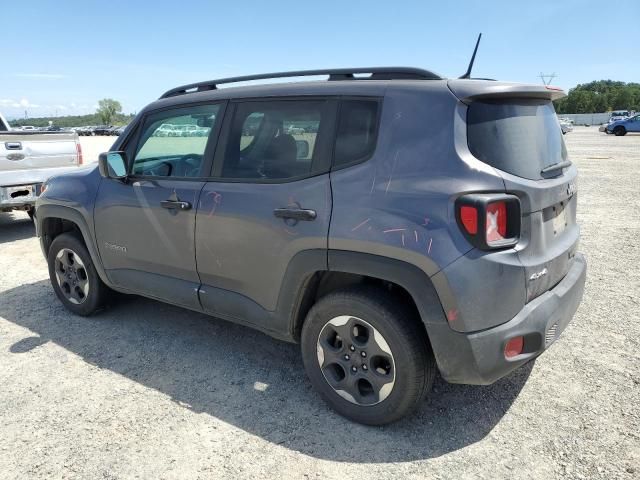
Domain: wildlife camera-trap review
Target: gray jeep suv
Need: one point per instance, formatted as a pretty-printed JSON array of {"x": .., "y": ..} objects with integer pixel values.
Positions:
[{"x": 393, "y": 222}]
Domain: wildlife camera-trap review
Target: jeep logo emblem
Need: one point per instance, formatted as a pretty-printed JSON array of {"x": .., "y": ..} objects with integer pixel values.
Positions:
[{"x": 114, "y": 247}]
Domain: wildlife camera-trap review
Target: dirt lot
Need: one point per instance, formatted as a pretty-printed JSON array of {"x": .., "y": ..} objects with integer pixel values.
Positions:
[{"x": 146, "y": 390}]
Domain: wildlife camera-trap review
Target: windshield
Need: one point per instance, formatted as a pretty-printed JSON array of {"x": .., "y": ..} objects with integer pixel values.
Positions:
[{"x": 518, "y": 136}]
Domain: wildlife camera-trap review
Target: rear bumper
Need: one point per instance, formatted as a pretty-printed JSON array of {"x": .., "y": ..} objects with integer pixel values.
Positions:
[
  {"x": 19, "y": 198},
  {"x": 478, "y": 358}
]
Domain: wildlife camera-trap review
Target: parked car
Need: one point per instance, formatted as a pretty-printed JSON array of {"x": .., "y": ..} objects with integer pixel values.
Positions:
[
  {"x": 566, "y": 125},
  {"x": 614, "y": 117},
  {"x": 165, "y": 130},
  {"x": 86, "y": 131},
  {"x": 622, "y": 127},
  {"x": 202, "y": 132},
  {"x": 28, "y": 158},
  {"x": 387, "y": 249},
  {"x": 119, "y": 130},
  {"x": 102, "y": 130}
]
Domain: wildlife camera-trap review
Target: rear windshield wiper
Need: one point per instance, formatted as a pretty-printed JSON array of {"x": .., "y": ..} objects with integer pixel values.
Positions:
[{"x": 556, "y": 166}]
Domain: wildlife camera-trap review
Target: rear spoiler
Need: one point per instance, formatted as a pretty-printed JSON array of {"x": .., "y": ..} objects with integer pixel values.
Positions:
[{"x": 477, "y": 90}]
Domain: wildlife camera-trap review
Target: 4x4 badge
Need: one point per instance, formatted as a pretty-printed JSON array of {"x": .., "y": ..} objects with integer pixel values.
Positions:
[{"x": 539, "y": 274}]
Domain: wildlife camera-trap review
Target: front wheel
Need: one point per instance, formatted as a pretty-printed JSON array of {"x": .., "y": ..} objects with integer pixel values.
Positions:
[
  {"x": 367, "y": 355},
  {"x": 619, "y": 131},
  {"x": 74, "y": 277}
]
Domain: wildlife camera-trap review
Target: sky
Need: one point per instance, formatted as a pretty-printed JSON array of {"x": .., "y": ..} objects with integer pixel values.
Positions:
[{"x": 60, "y": 58}]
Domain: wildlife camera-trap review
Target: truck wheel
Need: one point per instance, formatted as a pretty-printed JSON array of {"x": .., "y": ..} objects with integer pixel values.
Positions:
[
  {"x": 619, "y": 131},
  {"x": 73, "y": 276},
  {"x": 367, "y": 355}
]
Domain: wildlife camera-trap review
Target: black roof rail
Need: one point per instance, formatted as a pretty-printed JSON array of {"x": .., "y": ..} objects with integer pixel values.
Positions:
[{"x": 376, "y": 73}]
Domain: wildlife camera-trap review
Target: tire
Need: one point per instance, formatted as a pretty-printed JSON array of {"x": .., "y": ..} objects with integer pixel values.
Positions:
[
  {"x": 384, "y": 387},
  {"x": 619, "y": 131},
  {"x": 74, "y": 277}
]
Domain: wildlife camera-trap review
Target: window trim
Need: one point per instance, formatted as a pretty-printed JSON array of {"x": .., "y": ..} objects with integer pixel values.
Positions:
[
  {"x": 346, "y": 98},
  {"x": 320, "y": 165},
  {"x": 131, "y": 143}
]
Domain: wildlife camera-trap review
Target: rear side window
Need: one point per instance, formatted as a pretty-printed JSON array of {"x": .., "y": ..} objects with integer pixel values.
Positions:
[
  {"x": 520, "y": 137},
  {"x": 357, "y": 131},
  {"x": 274, "y": 140},
  {"x": 3, "y": 127}
]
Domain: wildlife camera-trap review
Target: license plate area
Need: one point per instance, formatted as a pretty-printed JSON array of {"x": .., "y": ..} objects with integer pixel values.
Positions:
[
  {"x": 559, "y": 218},
  {"x": 20, "y": 192}
]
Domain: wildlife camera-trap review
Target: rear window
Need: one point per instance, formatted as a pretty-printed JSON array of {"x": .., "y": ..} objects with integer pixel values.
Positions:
[{"x": 520, "y": 137}]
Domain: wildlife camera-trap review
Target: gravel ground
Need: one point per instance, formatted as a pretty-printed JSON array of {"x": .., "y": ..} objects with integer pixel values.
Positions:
[{"x": 146, "y": 390}]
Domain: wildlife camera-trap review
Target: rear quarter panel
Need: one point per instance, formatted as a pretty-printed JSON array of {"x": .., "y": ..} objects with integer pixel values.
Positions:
[{"x": 400, "y": 203}]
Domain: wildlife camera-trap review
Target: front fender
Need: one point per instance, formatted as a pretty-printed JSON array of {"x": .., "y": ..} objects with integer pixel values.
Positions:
[{"x": 47, "y": 211}]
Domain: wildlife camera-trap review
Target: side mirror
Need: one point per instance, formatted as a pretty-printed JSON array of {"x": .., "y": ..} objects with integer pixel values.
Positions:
[{"x": 113, "y": 165}]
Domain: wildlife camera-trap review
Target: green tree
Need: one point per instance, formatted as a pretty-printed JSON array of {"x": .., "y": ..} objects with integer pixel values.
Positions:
[
  {"x": 108, "y": 109},
  {"x": 600, "y": 96}
]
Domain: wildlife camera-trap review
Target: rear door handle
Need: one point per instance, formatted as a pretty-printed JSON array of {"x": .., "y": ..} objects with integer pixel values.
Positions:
[
  {"x": 175, "y": 205},
  {"x": 295, "y": 213},
  {"x": 13, "y": 145}
]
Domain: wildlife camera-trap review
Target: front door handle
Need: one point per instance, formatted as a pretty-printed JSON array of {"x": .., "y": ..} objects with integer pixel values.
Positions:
[
  {"x": 295, "y": 213},
  {"x": 175, "y": 205}
]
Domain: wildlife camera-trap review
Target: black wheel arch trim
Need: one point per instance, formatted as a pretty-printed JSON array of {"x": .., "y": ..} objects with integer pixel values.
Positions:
[
  {"x": 66, "y": 213},
  {"x": 414, "y": 280}
]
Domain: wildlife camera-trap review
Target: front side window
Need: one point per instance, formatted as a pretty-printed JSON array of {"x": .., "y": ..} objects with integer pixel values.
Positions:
[
  {"x": 173, "y": 142},
  {"x": 274, "y": 140}
]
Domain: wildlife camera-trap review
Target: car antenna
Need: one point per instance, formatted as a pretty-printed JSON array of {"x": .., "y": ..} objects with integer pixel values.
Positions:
[{"x": 467, "y": 74}]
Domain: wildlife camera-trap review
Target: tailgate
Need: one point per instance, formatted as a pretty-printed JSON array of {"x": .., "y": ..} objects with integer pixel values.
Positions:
[
  {"x": 514, "y": 128},
  {"x": 550, "y": 233},
  {"x": 20, "y": 151}
]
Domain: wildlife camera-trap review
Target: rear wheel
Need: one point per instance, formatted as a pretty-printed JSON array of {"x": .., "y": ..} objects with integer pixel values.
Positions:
[
  {"x": 367, "y": 355},
  {"x": 619, "y": 131},
  {"x": 74, "y": 277}
]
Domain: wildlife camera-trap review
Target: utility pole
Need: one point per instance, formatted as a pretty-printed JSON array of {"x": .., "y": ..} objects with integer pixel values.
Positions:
[{"x": 547, "y": 78}]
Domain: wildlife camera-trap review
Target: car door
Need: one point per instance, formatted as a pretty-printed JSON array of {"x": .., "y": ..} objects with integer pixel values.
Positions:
[
  {"x": 145, "y": 225},
  {"x": 263, "y": 219},
  {"x": 633, "y": 124}
]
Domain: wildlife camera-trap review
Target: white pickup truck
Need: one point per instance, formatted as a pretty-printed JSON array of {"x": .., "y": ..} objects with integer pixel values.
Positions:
[{"x": 28, "y": 159}]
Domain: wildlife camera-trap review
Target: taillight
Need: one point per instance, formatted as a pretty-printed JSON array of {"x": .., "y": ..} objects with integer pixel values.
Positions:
[
  {"x": 489, "y": 220},
  {"x": 79, "y": 153},
  {"x": 469, "y": 219},
  {"x": 496, "y": 224}
]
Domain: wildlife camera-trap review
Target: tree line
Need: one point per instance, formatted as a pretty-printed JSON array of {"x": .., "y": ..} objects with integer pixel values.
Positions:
[
  {"x": 109, "y": 112},
  {"x": 599, "y": 97}
]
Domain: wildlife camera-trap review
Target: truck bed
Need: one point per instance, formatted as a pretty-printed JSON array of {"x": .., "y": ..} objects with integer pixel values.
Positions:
[{"x": 27, "y": 159}]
